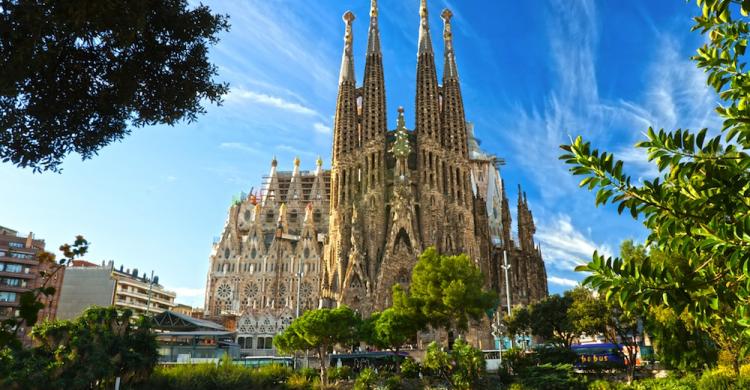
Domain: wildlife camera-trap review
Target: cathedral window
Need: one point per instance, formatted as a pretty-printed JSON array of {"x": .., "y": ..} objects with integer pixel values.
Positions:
[
  {"x": 293, "y": 216},
  {"x": 253, "y": 253},
  {"x": 226, "y": 253},
  {"x": 269, "y": 216},
  {"x": 306, "y": 252},
  {"x": 316, "y": 216}
]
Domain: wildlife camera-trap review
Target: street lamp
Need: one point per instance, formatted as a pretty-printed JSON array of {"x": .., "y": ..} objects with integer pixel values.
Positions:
[{"x": 506, "y": 267}]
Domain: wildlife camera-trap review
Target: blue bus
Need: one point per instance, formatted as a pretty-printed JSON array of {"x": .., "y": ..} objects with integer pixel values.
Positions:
[
  {"x": 599, "y": 354},
  {"x": 382, "y": 360},
  {"x": 260, "y": 361}
]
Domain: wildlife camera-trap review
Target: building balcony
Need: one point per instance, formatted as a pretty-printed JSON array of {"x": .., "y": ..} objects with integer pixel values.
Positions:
[
  {"x": 138, "y": 307},
  {"x": 155, "y": 296}
]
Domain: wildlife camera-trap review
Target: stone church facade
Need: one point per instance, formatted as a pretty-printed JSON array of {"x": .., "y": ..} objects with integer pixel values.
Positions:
[{"x": 347, "y": 235}]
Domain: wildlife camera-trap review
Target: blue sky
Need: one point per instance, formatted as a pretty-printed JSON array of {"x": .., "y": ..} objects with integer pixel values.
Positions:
[{"x": 533, "y": 75}]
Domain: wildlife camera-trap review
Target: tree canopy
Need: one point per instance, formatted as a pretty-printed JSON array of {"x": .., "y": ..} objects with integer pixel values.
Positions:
[
  {"x": 393, "y": 328},
  {"x": 76, "y": 75},
  {"x": 320, "y": 330},
  {"x": 697, "y": 209},
  {"x": 447, "y": 291},
  {"x": 89, "y": 351}
]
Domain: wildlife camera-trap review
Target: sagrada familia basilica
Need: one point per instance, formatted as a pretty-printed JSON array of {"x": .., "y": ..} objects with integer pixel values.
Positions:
[{"x": 346, "y": 235}]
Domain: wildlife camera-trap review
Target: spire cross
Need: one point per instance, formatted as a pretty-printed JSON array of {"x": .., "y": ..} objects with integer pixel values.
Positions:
[
  {"x": 348, "y": 19},
  {"x": 374, "y": 8},
  {"x": 347, "y": 62},
  {"x": 447, "y": 32}
]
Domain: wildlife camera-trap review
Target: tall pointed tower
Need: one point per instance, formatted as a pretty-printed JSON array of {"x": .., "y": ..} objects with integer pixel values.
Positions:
[
  {"x": 432, "y": 173},
  {"x": 373, "y": 154}
]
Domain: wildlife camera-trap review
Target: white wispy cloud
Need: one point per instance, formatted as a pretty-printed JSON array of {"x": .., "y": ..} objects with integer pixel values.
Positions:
[
  {"x": 563, "y": 246},
  {"x": 239, "y": 146},
  {"x": 193, "y": 296},
  {"x": 294, "y": 150},
  {"x": 674, "y": 95},
  {"x": 239, "y": 94},
  {"x": 562, "y": 281},
  {"x": 321, "y": 128},
  {"x": 189, "y": 291}
]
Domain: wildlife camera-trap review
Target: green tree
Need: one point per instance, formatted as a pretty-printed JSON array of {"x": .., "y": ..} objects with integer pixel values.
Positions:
[
  {"x": 76, "y": 74},
  {"x": 679, "y": 343},
  {"x": 519, "y": 321},
  {"x": 697, "y": 210},
  {"x": 550, "y": 320},
  {"x": 394, "y": 328},
  {"x": 88, "y": 352},
  {"x": 447, "y": 291},
  {"x": 320, "y": 330}
]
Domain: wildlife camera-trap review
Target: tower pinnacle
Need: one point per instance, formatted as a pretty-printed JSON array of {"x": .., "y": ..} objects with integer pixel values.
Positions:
[
  {"x": 347, "y": 61},
  {"x": 425, "y": 44},
  {"x": 450, "y": 71},
  {"x": 373, "y": 39}
]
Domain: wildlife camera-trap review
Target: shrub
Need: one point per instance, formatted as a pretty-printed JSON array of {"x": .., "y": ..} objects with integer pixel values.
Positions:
[
  {"x": 517, "y": 360},
  {"x": 552, "y": 377},
  {"x": 602, "y": 384},
  {"x": 661, "y": 384},
  {"x": 309, "y": 373},
  {"x": 462, "y": 367},
  {"x": 410, "y": 368},
  {"x": 717, "y": 379},
  {"x": 271, "y": 375},
  {"x": 340, "y": 373},
  {"x": 743, "y": 380},
  {"x": 392, "y": 382},
  {"x": 301, "y": 381},
  {"x": 366, "y": 379},
  {"x": 548, "y": 354}
]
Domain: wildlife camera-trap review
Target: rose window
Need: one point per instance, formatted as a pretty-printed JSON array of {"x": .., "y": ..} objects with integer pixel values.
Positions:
[
  {"x": 305, "y": 290},
  {"x": 251, "y": 290},
  {"x": 224, "y": 291}
]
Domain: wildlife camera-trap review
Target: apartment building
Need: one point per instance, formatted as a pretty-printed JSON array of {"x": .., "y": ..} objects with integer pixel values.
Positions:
[{"x": 21, "y": 271}]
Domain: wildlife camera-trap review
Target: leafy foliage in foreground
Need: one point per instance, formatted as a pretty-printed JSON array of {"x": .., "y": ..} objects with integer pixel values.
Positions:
[
  {"x": 88, "y": 352},
  {"x": 697, "y": 210},
  {"x": 224, "y": 376},
  {"x": 462, "y": 367},
  {"x": 76, "y": 74}
]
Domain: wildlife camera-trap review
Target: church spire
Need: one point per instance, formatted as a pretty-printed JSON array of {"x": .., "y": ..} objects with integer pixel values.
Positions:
[
  {"x": 374, "y": 125},
  {"x": 345, "y": 122},
  {"x": 373, "y": 39},
  {"x": 428, "y": 101},
  {"x": 450, "y": 71},
  {"x": 347, "y": 60},
  {"x": 453, "y": 117},
  {"x": 425, "y": 43}
]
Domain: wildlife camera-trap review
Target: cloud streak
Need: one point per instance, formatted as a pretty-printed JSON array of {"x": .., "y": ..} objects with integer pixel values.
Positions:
[
  {"x": 564, "y": 247},
  {"x": 562, "y": 281},
  {"x": 238, "y": 146},
  {"x": 237, "y": 95}
]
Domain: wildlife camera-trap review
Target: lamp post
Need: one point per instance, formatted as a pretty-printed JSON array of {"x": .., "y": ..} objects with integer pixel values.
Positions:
[{"x": 506, "y": 267}]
